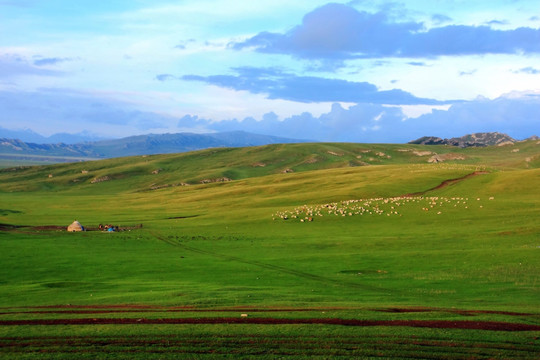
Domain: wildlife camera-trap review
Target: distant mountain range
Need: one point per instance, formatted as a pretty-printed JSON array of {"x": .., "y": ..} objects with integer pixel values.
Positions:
[
  {"x": 140, "y": 145},
  {"x": 33, "y": 137},
  {"x": 471, "y": 140}
]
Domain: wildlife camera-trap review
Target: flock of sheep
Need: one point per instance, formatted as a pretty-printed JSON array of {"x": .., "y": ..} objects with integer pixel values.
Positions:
[{"x": 377, "y": 206}]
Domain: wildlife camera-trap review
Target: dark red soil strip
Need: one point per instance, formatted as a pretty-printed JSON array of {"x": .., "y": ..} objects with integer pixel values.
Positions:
[
  {"x": 9, "y": 227},
  {"x": 182, "y": 217},
  {"x": 48, "y": 227},
  {"x": 80, "y": 312},
  {"x": 115, "y": 306},
  {"x": 475, "y": 312},
  {"x": 434, "y": 324},
  {"x": 140, "y": 308},
  {"x": 406, "y": 310},
  {"x": 171, "y": 310},
  {"x": 284, "y": 343},
  {"x": 447, "y": 183},
  {"x": 454, "y": 311}
]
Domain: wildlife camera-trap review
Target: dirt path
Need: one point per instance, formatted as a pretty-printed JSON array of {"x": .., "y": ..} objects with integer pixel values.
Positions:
[
  {"x": 142, "y": 308},
  {"x": 447, "y": 183},
  {"x": 434, "y": 324}
]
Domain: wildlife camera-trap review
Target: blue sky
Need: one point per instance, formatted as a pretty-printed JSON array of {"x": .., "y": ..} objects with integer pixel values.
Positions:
[{"x": 363, "y": 71}]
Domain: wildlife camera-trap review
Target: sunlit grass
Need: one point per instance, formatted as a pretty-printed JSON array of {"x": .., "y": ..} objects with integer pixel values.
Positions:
[{"x": 471, "y": 245}]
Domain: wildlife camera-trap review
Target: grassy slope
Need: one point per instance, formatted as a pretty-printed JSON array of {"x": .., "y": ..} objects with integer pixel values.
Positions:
[
  {"x": 241, "y": 213},
  {"x": 240, "y": 163},
  {"x": 216, "y": 245}
]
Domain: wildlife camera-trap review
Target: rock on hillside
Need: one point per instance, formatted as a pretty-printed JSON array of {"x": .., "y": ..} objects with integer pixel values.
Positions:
[
  {"x": 429, "y": 140},
  {"x": 471, "y": 140}
]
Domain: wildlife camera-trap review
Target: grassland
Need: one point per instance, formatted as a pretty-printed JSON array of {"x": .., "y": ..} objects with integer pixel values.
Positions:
[{"x": 393, "y": 265}]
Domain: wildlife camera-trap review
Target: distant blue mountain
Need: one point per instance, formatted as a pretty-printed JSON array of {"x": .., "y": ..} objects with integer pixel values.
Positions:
[
  {"x": 180, "y": 142},
  {"x": 140, "y": 145},
  {"x": 30, "y": 136},
  {"x": 24, "y": 135},
  {"x": 73, "y": 138}
]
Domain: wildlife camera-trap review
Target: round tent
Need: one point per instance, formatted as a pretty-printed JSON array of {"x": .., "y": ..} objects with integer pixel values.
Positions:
[{"x": 75, "y": 226}]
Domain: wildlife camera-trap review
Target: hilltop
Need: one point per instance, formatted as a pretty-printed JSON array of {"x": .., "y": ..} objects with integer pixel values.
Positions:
[
  {"x": 17, "y": 152},
  {"x": 147, "y": 172}
]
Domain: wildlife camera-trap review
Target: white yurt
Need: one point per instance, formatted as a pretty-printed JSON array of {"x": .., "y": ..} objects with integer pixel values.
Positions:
[{"x": 75, "y": 226}]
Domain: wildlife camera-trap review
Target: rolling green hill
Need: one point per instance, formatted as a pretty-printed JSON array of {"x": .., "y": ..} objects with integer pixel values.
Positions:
[
  {"x": 143, "y": 173},
  {"x": 300, "y": 238}
]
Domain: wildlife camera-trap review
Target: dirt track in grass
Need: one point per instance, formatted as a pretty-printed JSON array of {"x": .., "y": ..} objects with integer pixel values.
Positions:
[
  {"x": 447, "y": 183},
  {"x": 142, "y": 308},
  {"x": 434, "y": 324},
  {"x": 272, "y": 345}
]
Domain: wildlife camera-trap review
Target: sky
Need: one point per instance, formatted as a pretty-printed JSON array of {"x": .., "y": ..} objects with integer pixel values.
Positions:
[{"x": 355, "y": 71}]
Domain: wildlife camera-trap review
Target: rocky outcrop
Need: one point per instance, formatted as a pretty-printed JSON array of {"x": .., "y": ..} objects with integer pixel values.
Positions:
[{"x": 471, "y": 140}]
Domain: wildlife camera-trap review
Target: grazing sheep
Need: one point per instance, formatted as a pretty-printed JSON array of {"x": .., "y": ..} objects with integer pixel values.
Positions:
[{"x": 374, "y": 206}]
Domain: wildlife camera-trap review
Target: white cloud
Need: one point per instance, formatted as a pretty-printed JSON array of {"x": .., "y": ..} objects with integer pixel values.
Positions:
[
  {"x": 515, "y": 114},
  {"x": 220, "y": 104},
  {"x": 413, "y": 111}
]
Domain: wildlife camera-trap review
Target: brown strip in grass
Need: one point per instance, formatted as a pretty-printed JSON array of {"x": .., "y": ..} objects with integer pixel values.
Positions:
[
  {"x": 434, "y": 324},
  {"x": 447, "y": 183}
]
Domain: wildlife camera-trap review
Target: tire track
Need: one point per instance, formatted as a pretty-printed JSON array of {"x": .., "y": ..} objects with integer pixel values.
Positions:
[
  {"x": 432, "y": 324},
  {"x": 277, "y": 268}
]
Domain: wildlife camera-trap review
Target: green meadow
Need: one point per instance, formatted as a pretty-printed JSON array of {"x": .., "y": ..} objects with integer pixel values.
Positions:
[{"x": 279, "y": 251}]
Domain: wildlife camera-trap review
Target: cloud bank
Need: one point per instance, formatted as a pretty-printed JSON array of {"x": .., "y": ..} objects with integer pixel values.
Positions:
[
  {"x": 277, "y": 84},
  {"x": 337, "y": 31},
  {"x": 514, "y": 114}
]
